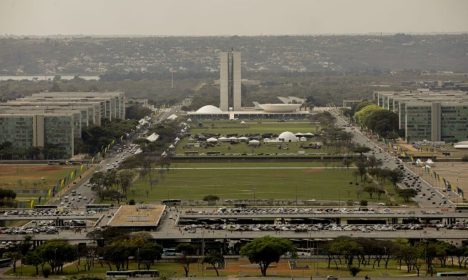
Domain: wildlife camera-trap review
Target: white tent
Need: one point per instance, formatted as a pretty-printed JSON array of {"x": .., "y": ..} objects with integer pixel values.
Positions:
[
  {"x": 153, "y": 137},
  {"x": 212, "y": 140},
  {"x": 242, "y": 122},
  {"x": 418, "y": 162},
  {"x": 303, "y": 139},
  {"x": 233, "y": 139},
  {"x": 254, "y": 142},
  {"x": 223, "y": 139},
  {"x": 171, "y": 146},
  {"x": 243, "y": 139},
  {"x": 429, "y": 162},
  {"x": 266, "y": 140},
  {"x": 172, "y": 117}
]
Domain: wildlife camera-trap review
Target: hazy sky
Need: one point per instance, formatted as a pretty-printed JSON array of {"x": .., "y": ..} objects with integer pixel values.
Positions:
[{"x": 230, "y": 17}]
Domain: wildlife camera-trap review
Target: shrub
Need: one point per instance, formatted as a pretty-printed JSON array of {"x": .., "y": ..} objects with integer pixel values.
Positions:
[
  {"x": 46, "y": 272},
  {"x": 354, "y": 270}
]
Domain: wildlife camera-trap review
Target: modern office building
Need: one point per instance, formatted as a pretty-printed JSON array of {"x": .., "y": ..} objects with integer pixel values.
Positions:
[
  {"x": 52, "y": 131},
  {"x": 428, "y": 115},
  {"x": 112, "y": 103},
  {"x": 53, "y": 121},
  {"x": 230, "y": 81}
]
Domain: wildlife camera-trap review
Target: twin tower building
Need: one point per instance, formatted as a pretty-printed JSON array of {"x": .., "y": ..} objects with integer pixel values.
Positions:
[{"x": 230, "y": 81}]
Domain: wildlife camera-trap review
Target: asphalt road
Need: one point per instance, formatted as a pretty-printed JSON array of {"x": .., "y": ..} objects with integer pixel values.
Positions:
[
  {"x": 80, "y": 195},
  {"x": 428, "y": 195}
]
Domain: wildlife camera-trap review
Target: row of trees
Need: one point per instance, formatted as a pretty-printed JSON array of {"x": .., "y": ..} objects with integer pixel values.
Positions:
[
  {"x": 360, "y": 252},
  {"x": 112, "y": 184},
  {"x": 382, "y": 121},
  {"x": 117, "y": 248},
  {"x": 94, "y": 138},
  {"x": 51, "y": 151},
  {"x": 7, "y": 198},
  {"x": 373, "y": 184}
]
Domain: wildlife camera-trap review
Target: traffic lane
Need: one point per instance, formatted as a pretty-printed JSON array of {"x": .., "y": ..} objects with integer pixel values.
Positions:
[{"x": 389, "y": 162}]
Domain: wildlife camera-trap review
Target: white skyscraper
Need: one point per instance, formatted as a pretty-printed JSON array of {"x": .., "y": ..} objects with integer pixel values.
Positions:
[{"x": 230, "y": 80}]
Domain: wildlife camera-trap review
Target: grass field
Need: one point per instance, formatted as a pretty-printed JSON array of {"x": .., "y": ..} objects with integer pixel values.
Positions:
[
  {"x": 224, "y": 128},
  {"x": 253, "y": 127},
  {"x": 263, "y": 149},
  {"x": 25, "y": 177},
  {"x": 242, "y": 267},
  {"x": 248, "y": 181}
]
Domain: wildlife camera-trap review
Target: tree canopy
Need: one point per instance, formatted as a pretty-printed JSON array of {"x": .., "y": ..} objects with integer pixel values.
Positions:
[{"x": 266, "y": 250}]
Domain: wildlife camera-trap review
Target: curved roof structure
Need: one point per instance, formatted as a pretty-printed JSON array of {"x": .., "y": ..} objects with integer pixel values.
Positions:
[
  {"x": 287, "y": 137},
  {"x": 279, "y": 108},
  {"x": 209, "y": 109},
  {"x": 461, "y": 145}
]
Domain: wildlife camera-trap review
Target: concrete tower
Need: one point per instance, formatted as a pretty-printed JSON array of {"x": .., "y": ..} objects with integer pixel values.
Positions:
[{"x": 230, "y": 80}]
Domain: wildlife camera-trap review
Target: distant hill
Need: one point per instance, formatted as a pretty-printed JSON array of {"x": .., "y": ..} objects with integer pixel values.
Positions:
[{"x": 116, "y": 57}]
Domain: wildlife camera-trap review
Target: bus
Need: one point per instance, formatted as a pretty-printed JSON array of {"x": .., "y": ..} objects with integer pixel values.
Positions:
[
  {"x": 132, "y": 273},
  {"x": 45, "y": 206},
  {"x": 172, "y": 202},
  {"x": 451, "y": 274},
  {"x": 6, "y": 262}
]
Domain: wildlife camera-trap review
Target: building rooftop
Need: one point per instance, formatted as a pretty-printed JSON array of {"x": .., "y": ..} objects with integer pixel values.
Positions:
[{"x": 137, "y": 216}]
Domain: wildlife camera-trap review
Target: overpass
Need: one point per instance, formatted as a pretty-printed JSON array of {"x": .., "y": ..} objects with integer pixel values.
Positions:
[{"x": 181, "y": 236}]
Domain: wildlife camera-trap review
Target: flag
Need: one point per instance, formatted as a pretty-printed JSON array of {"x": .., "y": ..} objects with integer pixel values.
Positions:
[
  {"x": 81, "y": 168},
  {"x": 62, "y": 183},
  {"x": 32, "y": 203},
  {"x": 112, "y": 143},
  {"x": 121, "y": 138}
]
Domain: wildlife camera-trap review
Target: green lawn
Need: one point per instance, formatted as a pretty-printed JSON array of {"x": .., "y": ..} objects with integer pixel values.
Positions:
[
  {"x": 262, "y": 149},
  {"x": 269, "y": 181},
  {"x": 26, "y": 179},
  {"x": 243, "y": 268}
]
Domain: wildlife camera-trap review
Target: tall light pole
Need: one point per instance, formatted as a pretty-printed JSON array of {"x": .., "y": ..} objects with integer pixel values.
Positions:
[
  {"x": 254, "y": 193},
  {"x": 172, "y": 78}
]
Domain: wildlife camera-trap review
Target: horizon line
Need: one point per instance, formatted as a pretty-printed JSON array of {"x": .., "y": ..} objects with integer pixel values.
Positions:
[{"x": 6, "y": 35}]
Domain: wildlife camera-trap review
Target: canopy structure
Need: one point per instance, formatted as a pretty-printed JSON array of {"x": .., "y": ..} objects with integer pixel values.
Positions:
[
  {"x": 153, "y": 137},
  {"x": 461, "y": 145},
  {"x": 254, "y": 142},
  {"x": 212, "y": 140}
]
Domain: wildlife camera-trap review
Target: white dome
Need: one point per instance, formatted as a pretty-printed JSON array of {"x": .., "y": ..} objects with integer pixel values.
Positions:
[
  {"x": 287, "y": 137},
  {"x": 209, "y": 109},
  {"x": 212, "y": 140}
]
